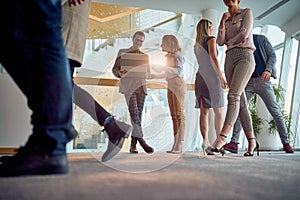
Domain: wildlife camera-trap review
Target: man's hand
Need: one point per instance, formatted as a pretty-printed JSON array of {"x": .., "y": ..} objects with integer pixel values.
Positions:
[
  {"x": 266, "y": 75},
  {"x": 75, "y": 2}
]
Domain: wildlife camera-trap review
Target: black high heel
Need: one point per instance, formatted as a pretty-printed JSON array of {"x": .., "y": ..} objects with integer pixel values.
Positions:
[
  {"x": 221, "y": 150},
  {"x": 255, "y": 149}
]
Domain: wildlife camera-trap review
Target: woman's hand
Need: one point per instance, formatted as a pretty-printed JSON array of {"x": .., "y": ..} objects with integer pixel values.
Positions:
[
  {"x": 224, "y": 83},
  {"x": 225, "y": 17},
  {"x": 122, "y": 73}
]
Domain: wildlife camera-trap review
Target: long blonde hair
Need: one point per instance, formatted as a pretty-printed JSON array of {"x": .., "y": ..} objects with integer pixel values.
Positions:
[
  {"x": 171, "y": 43},
  {"x": 202, "y": 30}
]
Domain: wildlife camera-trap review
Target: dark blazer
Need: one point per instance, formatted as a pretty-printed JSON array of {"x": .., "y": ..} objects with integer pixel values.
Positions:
[
  {"x": 268, "y": 53},
  {"x": 128, "y": 85}
]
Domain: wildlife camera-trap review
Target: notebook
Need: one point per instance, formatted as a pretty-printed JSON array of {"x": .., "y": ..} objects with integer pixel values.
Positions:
[{"x": 136, "y": 65}]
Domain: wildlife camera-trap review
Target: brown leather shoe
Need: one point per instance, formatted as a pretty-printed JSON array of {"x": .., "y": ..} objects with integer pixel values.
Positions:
[
  {"x": 287, "y": 148},
  {"x": 145, "y": 146},
  {"x": 133, "y": 145}
]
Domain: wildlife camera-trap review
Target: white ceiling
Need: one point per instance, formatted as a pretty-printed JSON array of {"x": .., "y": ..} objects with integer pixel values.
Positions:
[{"x": 287, "y": 16}]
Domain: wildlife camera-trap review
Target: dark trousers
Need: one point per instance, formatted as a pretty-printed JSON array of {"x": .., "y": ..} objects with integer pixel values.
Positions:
[
  {"x": 33, "y": 53},
  {"x": 86, "y": 102},
  {"x": 135, "y": 102}
]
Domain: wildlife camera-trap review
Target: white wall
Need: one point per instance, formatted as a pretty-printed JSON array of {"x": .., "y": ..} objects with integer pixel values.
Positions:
[{"x": 14, "y": 114}]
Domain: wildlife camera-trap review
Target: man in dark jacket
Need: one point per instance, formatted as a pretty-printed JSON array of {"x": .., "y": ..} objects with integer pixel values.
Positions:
[{"x": 135, "y": 91}]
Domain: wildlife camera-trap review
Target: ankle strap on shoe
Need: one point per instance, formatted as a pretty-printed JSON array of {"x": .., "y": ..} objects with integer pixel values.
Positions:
[
  {"x": 223, "y": 135},
  {"x": 251, "y": 138}
]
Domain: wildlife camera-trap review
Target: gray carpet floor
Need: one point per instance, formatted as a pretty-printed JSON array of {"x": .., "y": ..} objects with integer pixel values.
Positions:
[{"x": 272, "y": 175}]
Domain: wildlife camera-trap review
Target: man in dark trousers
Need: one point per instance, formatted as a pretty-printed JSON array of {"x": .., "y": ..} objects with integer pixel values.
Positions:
[
  {"x": 135, "y": 91},
  {"x": 33, "y": 53}
]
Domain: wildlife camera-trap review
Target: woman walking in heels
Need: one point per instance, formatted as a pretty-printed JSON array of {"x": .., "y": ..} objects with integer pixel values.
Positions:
[
  {"x": 235, "y": 31},
  {"x": 210, "y": 82},
  {"x": 176, "y": 88}
]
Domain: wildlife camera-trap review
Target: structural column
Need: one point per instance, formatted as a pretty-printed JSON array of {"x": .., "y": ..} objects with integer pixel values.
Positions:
[
  {"x": 295, "y": 106},
  {"x": 213, "y": 16}
]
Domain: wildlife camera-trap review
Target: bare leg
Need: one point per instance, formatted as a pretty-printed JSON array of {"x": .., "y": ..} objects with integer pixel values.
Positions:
[
  {"x": 204, "y": 123},
  {"x": 219, "y": 119}
]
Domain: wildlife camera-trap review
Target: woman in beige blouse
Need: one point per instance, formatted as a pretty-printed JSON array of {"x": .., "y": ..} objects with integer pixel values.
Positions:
[{"x": 235, "y": 31}]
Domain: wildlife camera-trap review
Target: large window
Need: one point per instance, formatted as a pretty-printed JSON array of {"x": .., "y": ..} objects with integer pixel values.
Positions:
[
  {"x": 157, "y": 124},
  {"x": 291, "y": 76}
]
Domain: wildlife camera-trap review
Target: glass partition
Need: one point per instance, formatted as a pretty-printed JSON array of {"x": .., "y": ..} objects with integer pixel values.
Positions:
[{"x": 156, "y": 120}]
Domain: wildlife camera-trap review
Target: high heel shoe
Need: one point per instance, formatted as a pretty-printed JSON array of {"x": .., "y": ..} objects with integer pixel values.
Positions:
[
  {"x": 214, "y": 149},
  {"x": 205, "y": 149},
  {"x": 175, "y": 143},
  {"x": 248, "y": 153},
  {"x": 178, "y": 148}
]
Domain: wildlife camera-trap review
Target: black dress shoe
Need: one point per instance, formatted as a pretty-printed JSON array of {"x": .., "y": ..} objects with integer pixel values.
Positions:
[
  {"x": 5, "y": 159},
  {"x": 71, "y": 134},
  {"x": 30, "y": 163},
  {"x": 117, "y": 132},
  {"x": 10, "y": 159}
]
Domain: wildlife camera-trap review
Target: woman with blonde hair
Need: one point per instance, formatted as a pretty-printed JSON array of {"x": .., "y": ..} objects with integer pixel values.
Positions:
[
  {"x": 173, "y": 73},
  {"x": 210, "y": 82}
]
